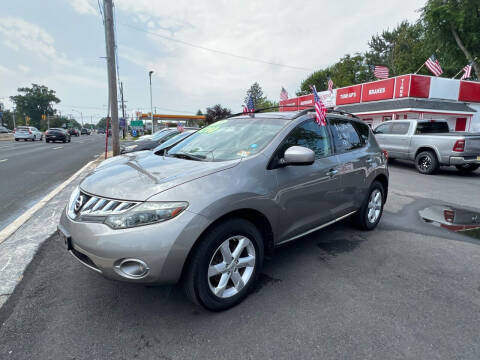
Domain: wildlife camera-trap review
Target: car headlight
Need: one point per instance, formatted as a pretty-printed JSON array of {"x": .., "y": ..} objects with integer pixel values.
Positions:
[{"x": 145, "y": 214}]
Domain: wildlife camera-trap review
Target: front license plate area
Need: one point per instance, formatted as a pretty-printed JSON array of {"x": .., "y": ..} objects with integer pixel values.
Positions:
[{"x": 65, "y": 238}]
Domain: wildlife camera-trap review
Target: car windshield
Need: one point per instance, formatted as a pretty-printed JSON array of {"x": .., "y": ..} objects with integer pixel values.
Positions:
[
  {"x": 174, "y": 140},
  {"x": 229, "y": 139},
  {"x": 160, "y": 134}
]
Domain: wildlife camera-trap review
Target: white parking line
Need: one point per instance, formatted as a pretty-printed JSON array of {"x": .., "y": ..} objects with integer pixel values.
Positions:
[
  {"x": 3, "y": 160},
  {"x": 58, "y": 147}
]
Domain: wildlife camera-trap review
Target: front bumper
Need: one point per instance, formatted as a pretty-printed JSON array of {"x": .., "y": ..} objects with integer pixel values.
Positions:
[
  {"x": 462, "y": 160},
  {"x": 163, "y": 247}
]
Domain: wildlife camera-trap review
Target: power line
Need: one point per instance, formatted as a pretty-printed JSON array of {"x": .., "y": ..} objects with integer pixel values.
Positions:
[{"x": 215, "y": 50}]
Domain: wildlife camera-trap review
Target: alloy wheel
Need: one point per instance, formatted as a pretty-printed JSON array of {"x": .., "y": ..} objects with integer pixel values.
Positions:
[
  {"x": 425, "y": 162},
  {"x": 231, "y": 266},
  {"x": 374, "y": 206}
]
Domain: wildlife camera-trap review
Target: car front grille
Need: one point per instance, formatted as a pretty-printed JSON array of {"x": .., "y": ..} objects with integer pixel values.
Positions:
[{"x": 83, "y": 205}]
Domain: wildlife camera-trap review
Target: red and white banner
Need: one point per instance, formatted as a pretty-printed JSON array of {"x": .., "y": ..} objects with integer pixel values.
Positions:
[
  {"x": 402, "y": 86},
  {"x": 378, "y": 90},
  {"x": 349, "y": 95},
  {"x": 290, "y": 105}
]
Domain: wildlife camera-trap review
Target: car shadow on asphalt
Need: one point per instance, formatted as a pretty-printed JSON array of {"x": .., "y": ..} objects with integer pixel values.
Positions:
[{"x": 444, "y": 170}]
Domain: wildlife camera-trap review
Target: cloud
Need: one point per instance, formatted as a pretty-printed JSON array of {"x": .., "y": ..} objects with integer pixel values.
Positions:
[{"x": 84, "y": 6}]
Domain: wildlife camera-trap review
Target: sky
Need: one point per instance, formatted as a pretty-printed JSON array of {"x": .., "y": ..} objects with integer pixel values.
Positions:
[{"x": 61, "y": 44}]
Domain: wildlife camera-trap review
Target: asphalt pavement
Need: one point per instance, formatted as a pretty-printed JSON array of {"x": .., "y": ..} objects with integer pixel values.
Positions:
[
  {"x": 29, "y": 170},
  {"x": 407, "y": 290}
]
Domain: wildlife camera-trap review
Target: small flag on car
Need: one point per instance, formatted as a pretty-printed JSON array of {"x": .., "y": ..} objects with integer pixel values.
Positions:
[
  {"x": 381, "y": 72},
  {"x": 180, "y": 127},
  {"x": 467, "y": 72},
  {"x": 320, "y": 109},
  {"x": 434, "y": 66},
  {"x": 283, "y": 94}
]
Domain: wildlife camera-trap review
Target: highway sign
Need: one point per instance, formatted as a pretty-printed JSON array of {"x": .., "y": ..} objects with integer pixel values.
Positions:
[{"x": 136, "y": 123}]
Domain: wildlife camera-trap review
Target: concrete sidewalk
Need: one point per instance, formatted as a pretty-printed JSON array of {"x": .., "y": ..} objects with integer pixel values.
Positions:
[{"x": 17, "y": 251}]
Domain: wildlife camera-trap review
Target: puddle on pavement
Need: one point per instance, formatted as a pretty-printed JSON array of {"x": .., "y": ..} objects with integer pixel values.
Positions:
[
  {"x": 264, "y": 279},
  {"x": 458, "y": 220},
  {"x": 334, "y": 247}
]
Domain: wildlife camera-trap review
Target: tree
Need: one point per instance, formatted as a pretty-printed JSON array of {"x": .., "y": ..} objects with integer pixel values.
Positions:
[
  {"x": 35, "y": 102},
  {"x": 216, "y": 112},
  {"x": 199, "y": 112},
  {"x": 347, "y": 71},
  {"x": 102, "y": 124},
  {"x": 402, "y": 50},
  {"x": 256, "y": 93},
  {"x": 453, "y": 27}
]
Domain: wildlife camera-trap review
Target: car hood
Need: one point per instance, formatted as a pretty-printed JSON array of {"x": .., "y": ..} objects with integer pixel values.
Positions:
[{"x": 138, "y": 176}]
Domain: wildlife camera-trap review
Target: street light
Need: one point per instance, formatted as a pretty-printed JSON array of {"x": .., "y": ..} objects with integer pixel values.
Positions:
[{"x": 151, "y": 103}]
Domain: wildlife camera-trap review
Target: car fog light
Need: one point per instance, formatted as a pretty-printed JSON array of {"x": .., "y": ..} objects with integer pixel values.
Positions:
[{"x": 132, "y": 268}]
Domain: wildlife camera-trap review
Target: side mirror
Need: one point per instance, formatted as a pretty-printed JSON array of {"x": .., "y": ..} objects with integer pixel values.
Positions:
[{"x": 298, "y": 156}]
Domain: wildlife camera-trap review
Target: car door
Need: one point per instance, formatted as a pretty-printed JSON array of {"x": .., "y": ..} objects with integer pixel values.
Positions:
[
  {"x": 399, "y": 139},
  {"x": 306, "y": 196},
  {"x": 382, "y": 133},
  {"x": 350, "y": 139}
]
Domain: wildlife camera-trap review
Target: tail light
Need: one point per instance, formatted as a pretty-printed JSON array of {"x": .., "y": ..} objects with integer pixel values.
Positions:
[
  {"x": 14, "y": 130},
  {"x": 46, "y": 132},
  {"x": 385, "y": 154},
  {"x": 459, "y": 146},
  {"x": 29, "y": 131}
]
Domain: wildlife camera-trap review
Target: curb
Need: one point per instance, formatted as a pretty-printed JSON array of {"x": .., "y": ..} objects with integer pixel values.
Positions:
[{"x": 20, "y": 240}]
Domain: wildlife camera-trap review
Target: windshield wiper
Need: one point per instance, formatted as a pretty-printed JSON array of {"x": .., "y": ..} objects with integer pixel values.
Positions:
[{"x": 182, "y": 155}]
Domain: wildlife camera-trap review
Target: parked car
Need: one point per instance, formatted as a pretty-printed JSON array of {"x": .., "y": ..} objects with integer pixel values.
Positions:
[
  {"x": 27, "y": 133},
  {"x": 429, "y": 144},
  {"x": 208, "y": 212},
  {"x": 170, "y": 143},
  {"x": 4, "y": 130},
  {"x": 157, "y": 139},
  {"x": 57, "y": 134},
  {"x": 85, "y": 131},
  {"x": 74, "y": 131},
  {"x": 100, "y": 131}
]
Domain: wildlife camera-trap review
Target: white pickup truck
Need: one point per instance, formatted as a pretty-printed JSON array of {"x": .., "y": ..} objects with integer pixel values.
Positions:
[{"x": 429, "y": 144}]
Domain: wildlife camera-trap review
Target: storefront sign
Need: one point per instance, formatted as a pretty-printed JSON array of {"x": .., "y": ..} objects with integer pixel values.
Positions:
[
  {"x": 469, "y": 91},
  {"x": 349, "y": 95},
  {"x": 402, "y": 86},
  {"x": 378, "y": 90},
  {"x": 305, "y": 102},
  {"x": 289, "y": 105}
]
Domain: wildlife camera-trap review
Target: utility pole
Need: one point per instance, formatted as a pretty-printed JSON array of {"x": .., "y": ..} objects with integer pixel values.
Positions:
[
  {"x": 14, "y": 126},
  {"x": 151, "y": 103},
  {"x": 123, "y": 110},
  {"x": 112, "y": 75}
]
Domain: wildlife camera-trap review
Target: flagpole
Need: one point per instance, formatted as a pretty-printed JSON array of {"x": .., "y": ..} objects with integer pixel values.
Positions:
[
  {"x": 420, "y": 68},
  {"x": 458, "y": 73}
]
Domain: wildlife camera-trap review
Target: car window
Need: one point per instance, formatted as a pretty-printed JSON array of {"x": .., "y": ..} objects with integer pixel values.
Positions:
[
  {"x": 400, "y": 128},
  {"x": 345, "y": 137},
  {"x": 432, "y": 127},
  {"x": 383, "y": 129},
  {"x": 310, "y": 135},
  {"x": 363, "y": 130}
]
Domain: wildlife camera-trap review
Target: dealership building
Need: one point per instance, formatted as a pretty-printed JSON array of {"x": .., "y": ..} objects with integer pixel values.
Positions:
[{"x": 404, "y": 97}]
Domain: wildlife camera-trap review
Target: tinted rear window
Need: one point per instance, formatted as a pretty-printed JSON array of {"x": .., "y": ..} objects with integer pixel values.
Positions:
[
  {"x": 432, "y": 127},
  {"x": 345, "y": 137}
]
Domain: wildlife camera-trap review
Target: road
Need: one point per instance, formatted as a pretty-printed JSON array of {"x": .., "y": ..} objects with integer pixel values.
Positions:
[
  {"x": 29, "y": 170},
  {"x": 405, "y": 290}
]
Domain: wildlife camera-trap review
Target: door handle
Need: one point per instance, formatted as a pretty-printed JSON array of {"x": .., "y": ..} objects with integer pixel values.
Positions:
[{"x": 332, "y": 172}]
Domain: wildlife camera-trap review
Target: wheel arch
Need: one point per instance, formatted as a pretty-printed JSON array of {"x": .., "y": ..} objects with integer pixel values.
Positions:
[
  {"x": 427, "y": 148},
  {"x": 254, "y": 216},
  {"x": 383, "y": 179}
]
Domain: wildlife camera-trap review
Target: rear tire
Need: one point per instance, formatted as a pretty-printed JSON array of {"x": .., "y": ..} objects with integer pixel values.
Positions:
[
  {"x": 47, "y": 141},
  {"x": 369, "y": 215},
  {"x": 467, "y": 168},
  {"x": 218, "y": 277},
  {"x": 17, "y": 139},
  {"x": 426, "y": 162}
]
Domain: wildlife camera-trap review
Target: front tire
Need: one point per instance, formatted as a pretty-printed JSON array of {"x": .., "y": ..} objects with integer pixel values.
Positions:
[
  {"x": 369, "y": 215},
  {"x": 224, "y": 267},
  {"x": 467, "y": 168},
  {"x": 426, "y": 162}
]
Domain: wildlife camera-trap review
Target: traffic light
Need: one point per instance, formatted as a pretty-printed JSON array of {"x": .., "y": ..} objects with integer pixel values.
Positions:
[{"x": 44, "y": 117}]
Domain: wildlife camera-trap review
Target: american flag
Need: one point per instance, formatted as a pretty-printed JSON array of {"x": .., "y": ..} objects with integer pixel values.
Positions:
[
  {"x": 330, "y": 84},
  {"x": 245, "y": 110},
  {"x": 283, "y": 94},
  {"x": 434, "y": 66},
  {"x": 467, "y": 72},
  {"x": 320, "y": 109},
  {"x": 250, "y": 104},
  {"x": 381, "y": 72},
  {"x": 180, "y": 127}
]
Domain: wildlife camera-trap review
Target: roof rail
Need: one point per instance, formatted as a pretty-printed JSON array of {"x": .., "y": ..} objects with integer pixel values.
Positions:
[{"x": 300, "y": 112}]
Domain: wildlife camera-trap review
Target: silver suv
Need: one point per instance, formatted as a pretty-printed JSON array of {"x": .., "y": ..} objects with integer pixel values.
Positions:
[{"x": 207, "y": 211}]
